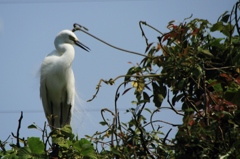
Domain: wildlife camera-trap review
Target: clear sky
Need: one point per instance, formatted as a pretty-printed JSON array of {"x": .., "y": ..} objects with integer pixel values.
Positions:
[{"x": 27, "y": 31}]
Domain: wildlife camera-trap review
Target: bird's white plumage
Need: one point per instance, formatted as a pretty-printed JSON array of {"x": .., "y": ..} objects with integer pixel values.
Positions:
[{"x": 57, "y": 83}]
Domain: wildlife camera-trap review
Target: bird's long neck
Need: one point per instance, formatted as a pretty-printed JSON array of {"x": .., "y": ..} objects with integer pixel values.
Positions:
[{"x": 67, "y": 54}]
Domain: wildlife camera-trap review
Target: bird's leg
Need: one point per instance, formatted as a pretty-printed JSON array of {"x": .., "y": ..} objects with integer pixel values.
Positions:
[
  {"x": 55, "y": 150},
  {"x": 69, "y": 114},
  {"x": 61, "y": 117},
  {"x": 52, "y": 116}
]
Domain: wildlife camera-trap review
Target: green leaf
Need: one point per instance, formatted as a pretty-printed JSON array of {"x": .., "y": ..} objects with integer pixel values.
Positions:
[
  {"x": 59, "y": 140},
  {"x": 225, "y": 18},
  {"x": 148, "y": 46},
  {"x": 67, "y": 131},
  {"x": 151, "y": 52},
  {"x": 233, "y": 97},
  {"x": 130, "y": 72},
  {"x": 215, "y": 42},
  {"x": 228, "y": 29},
  {"x": 103, "y": 123},
  {"x": 35, "y": 145},
  {"x": 127, "y": 77},
  {"x": 181, "y": 83},
  {"x": 197, "y": 72},
  {"x": 32, "y": 126},
  {"x": 159, "y": 93},
  {"x": 85, "y": 148},
  {"x": 146, "y": 97},
  {"x": 216, "y": 26},
  {"x": 24, "y": 152},
  {"x": 115, "y": 151},
  {"x": 176, "y": 98},
  {"x": 10, "y": 155},
  {"x": 205, "y": 52},
  {"x": 216, "y": 85},
  {"x": 224, "y": 14},
  {"x": 148, "y": 110}
]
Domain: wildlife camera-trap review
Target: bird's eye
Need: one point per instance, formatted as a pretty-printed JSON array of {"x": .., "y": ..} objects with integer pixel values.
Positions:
[{"x": 71, "y": 38}]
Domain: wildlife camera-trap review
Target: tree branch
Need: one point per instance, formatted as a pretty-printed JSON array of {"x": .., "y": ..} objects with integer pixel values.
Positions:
[
  {"x": 19, "y": 126},
  {"x": 79, "y": 27}
]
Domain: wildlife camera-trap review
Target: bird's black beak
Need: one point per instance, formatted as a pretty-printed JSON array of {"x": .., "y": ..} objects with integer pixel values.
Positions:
[{"x": 81, "y": 45}]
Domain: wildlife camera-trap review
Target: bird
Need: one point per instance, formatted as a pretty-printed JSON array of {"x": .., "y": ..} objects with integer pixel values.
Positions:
[{"x": 57, "y": 82}]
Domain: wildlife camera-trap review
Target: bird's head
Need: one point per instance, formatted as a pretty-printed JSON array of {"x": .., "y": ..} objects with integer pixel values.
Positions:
[{"x": 67, "y": 36}]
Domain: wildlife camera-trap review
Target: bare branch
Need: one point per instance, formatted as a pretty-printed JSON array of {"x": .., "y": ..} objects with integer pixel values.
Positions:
[
  {"x": 112, "y": 81},
  {"x": 79, "y": 27},
  {"x": 19, "y": 126}
]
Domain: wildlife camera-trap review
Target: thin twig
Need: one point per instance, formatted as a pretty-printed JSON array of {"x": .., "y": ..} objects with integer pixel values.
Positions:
[
  {"x": 112, "y": 81},
  {"x": 188, "y": 17},
  {"x": 157, "y": 110},
  {"x": 143, "y": 34},
  {"x": 165, "y": 138},
  {"x": 161, "y": 121},
  {"x": 219, "y": 68},
  {"x": 113, "y": 132},
  {"x": 139, "y": 127},
  {"x": 118, "y": 124},
  {"x": 19, "y": 126},
  {"x": 43, "y": 135},
  {"x": 172, "y": 107},
  {"x": 2, "y": 144},
  {"x": 143, "y": 106},
  {"x": 236, "y": 18},
  {"x": 76, "y": 27},
  {"x": 105, "y": 109},
  {"x": 145, "y": 23},
  {"x": 206, "y": 100}
]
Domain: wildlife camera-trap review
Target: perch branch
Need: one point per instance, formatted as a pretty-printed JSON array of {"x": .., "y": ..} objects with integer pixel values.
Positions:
[{"x": 79, "y": 27}]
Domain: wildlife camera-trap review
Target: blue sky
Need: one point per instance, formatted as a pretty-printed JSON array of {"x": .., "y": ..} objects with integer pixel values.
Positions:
[{"x": 27, "y": 31}]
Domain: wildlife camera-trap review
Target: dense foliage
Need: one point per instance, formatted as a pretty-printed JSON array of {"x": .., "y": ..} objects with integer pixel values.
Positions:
[{"x": 200, "y": 71}]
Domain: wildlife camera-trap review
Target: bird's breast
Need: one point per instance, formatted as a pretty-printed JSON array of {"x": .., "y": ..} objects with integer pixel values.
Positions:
[{"x": 56, "y": 72}]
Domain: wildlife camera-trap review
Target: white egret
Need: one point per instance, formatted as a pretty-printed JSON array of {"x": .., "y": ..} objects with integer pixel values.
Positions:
[{"x": 57, "y": 83}]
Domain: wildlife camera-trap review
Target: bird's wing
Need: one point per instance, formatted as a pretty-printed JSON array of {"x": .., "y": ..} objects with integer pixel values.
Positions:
[
  {"x": 66, "y": 111},
  {"x": 46, "y": 92},
  {"x": 45, "y": 101},
  {"x": 69, "y": 99},
  {"x": 58, "y": 105},
  {"x": 58, "y": 113}
]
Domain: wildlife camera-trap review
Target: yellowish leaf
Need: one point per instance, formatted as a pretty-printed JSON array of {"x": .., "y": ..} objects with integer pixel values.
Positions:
[{"x": 138, "y": 85}]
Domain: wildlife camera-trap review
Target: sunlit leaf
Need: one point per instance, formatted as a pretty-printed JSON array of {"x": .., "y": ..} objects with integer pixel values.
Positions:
[
  {"x": 24, "y": 152},
  {"x": 205, "y": 52},
  {"x": 35, "y": 145},
  {"x": 217, "y": 26},
  {"x": 139, "y": 85},
  {"x": 127, "y": 77},
  {"x": 85, "y": 148},
  {"x": 228, "y": 29}
]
